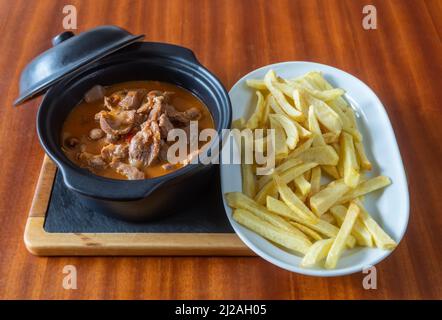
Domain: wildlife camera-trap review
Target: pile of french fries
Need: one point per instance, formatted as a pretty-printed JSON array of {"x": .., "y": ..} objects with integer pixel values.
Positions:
[{"x": 312, "y": 202}]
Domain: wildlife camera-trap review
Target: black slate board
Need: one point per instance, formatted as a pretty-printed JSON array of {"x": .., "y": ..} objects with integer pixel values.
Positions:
[{"x": 67, "y": 214}]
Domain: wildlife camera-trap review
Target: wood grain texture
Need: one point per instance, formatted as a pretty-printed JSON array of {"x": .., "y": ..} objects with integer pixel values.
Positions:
[
  {"x": 42, "y": 243},
  {"x": 401, "y": 61}
]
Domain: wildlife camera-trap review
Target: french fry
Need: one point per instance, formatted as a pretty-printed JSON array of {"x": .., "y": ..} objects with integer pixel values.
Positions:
[
  {"x": 332, "y": 171},
  {"x": 302, "y": 185},
  {"x": 362, "y": 157},
  {"x": 308, "y": 175},
  {"x": 285, "y": 88},
  {"x": 279, "y": 207},
  {"x": 357, "y": 136},
  {"x": 326, "y": 198},
  {"x": 301, "y": 148},
  {"x": 302, "y": 132},
  {"x": 321, "y": 226},
  {"x": 265, "y": 115},
  {"x": 337, "y": 147},
  {"x": 324, "y": 95},
  {"x": 347, "y": 124},
  {"x": 292, "y": 201},
  {"x": 274, "y": 106},
  {"x": 326, "y": 116},
  {"x": 348, "y": 121},
  {"x": 300, "y": 104},
  {"x": 331, "y": 137},
  {"x": 281, "y": 149},
  {"x": 256, "y": 84},
  {"x": 287, "y": 176},
  {"x": 315, "y": 181},
  {"x": 299, "y": 232},
  {"x": 317, "y": 252},
  {"x": 240, "y": 201},
  {"x": 351, "y": 115},
  {"x": 313, "y": 126},
  {"x": 283, "y": 166},
  {"x": 260, "y": 144},
  {"x": 350, "y": 163},
  {"x": 255, "y": 120},
  {"x": 301, "y": 196},
  {"x": 290, "y": 129},
  {"x": 339, "y": 105},
  {"x": 329, "y": 218},
  {"x": 381, "y": 238},
  {"x": 247, "y": 174},
  {"x": 365, "y": 187},
  {"x": 306, "y": 230},
  {"x": 248, "y": 179},
  {"x": 280, "y": 98},
  {"x": 270, "y": 232},
  {"x": 316, "y": 80},
  {"x": 340, "y": 166},
  {"x": 239, "y": 124},
  {"x": 338, "y": 245},
  {"x": 322, "y": 155},
  {"x": 360, "y": 232}
]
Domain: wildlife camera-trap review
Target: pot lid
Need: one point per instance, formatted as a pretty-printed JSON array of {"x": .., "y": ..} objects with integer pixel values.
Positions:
[{"x": 69, "y": 54}]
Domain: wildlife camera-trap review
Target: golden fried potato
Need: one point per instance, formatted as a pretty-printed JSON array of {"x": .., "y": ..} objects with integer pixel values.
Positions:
[
  {"x": 289, "y": 175},
  {"x": 360, "y": 232},
  {"x": 270, "y": 232},
  {"x": 350, "y": 163},
  {"x": 292, "y": 201},
  {"x": 289, "y": 127},
  {"x": 338, "y": 245},
  {"x": 317, "y": 252},
  {"x": 365, "y": 187},
  {"x": 310, "y": 200},
  {"x": 256, "y": 120},
  {"x": 381, "y": 238},
  {"x": 321, "y": 226},
  {"x": 323, "y": 155},
  {"x": 327, "y": 197},
  {"x": 291, "y": 111}
]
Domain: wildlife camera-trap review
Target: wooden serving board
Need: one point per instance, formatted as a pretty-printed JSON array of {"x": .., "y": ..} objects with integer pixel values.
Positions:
[{"x": 43, "y": 243}]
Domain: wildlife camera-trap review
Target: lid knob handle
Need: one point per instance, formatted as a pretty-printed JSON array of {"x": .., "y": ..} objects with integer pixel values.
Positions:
[{"x": 62, "y": 37}]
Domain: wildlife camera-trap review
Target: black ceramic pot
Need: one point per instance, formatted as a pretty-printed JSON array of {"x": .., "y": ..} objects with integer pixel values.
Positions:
[{"x": 138, "y": 199}]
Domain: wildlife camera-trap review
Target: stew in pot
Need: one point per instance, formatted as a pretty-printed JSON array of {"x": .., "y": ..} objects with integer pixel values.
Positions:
[{"x": 121, "y": 131}]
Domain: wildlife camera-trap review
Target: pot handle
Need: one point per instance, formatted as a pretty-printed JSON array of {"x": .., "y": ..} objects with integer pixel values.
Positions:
[
  {"x": 108, "y": 189},
  {"x": 59, "y": 38}
]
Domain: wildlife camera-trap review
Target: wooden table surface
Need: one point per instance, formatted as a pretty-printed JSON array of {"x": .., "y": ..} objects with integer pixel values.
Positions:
[{"x": 401, "y": 61}]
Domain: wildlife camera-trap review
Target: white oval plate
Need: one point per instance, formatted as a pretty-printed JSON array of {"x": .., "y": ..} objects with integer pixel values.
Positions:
[{"x": 389, "y": 207}]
